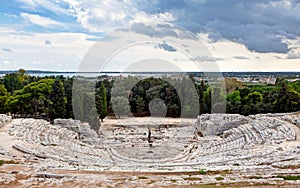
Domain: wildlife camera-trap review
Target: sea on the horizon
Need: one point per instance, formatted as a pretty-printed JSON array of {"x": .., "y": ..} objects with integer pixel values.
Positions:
[{"x": 97, "y": 74}]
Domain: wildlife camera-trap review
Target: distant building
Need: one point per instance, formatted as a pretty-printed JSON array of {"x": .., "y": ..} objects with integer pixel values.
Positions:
[{"x": 268, "y": 80}]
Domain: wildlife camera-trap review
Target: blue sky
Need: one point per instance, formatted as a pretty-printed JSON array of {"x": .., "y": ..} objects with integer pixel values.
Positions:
[{"x": 56, "y": 34}]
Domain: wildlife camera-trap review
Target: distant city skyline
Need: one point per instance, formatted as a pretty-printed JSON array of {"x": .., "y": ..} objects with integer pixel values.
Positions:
[{"x": 55, "y": 35}]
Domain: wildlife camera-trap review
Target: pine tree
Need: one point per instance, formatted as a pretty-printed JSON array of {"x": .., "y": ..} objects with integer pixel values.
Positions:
[
  {"x": 120, "y": 106},
  {"x": 101, "y": 102},
  {"x": 140, "y": 105},
  {"x": 3, "y": 97}
]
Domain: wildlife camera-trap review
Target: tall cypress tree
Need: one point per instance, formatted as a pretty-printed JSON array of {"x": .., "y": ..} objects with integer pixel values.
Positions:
[
  {"x": 101, "y": 102},
  {"x": 57, "y": 101},
  {"x": 68, "y": 84}
]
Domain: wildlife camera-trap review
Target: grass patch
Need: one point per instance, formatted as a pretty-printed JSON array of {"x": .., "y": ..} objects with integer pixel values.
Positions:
[
  {"x": 217, "y": 172},
  {"x": 151, "y": 182},
  {"x": 220, "y": 172},
  {"x": 288, "y": 167},
  {"x": 289, "y": 177},
  {"x": 233, "y": 185},
  {"x": 192, "y": 179},
  {"x": 236, "y": 164},
  {"x": 213, "y": 185},
  {"x": 2, "y": 162},
  {"x": 219, "y": 178},
  {"x": 173, "y": 181},
  {"x": 142, "y": 178},
  {"x": 202, "y": 171},
  {"x": 253, "y": 177}
]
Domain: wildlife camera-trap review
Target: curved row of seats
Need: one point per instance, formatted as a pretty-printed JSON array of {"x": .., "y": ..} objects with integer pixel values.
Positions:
[
  {"x": 256, "y": 132},
  {"x": 44, "y": 140},
  {"x": 53, "y": 141}
]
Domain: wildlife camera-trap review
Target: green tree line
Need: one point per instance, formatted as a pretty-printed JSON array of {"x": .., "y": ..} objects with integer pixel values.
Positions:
[{"x": 51, "y": 97}]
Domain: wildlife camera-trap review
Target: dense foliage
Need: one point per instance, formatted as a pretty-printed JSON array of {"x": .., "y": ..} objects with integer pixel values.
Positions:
[{"x": 22, "y": 95}]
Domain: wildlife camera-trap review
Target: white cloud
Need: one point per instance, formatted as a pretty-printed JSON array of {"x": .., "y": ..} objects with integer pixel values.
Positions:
[
  {"x": 236, "y": 57},
  {"x": 28, "y": 3},
  {"x": 293, "y": 54},
  {"x": 30, "y": 51},
  {"x": 52, "y": 5},
  {"x": 260, "y": 25},
  {"x": 6, "y": 50},
  {"x": 160, "y": 17},
  {"x": 241, "y": 57},
  {"x": 8, "y": 65},
  {"x": 6, "y": 62},
  {"x": 268, "y": 27},
  {"x": 47, "y": 42},
  {"x": 99, "y": 16},
  {"x": 103, "y": 16},
  {"x": 294, "y": 46},
  {"x": 10, "y": 15},
  {"x": 230, "y": 56},
  {"x": 39, "y": 20},
  {"x": 67, "y": 49}
]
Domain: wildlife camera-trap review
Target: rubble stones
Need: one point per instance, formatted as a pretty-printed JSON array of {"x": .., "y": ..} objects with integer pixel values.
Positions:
[
  {"x": 216, "y": 124},
  {"x": 4, "y": 119}
]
